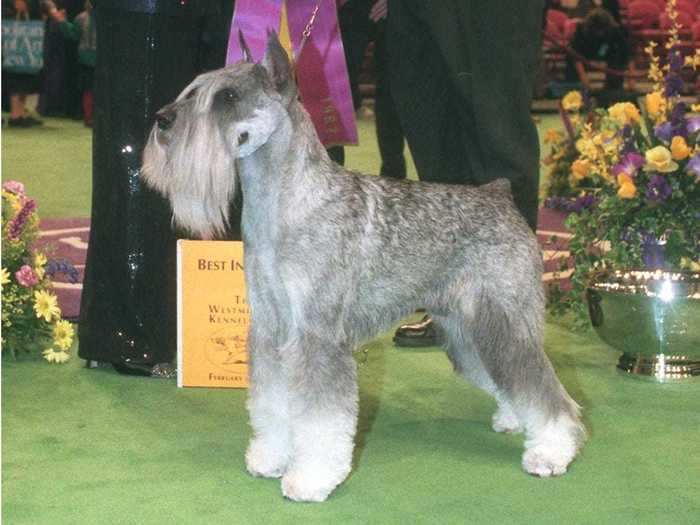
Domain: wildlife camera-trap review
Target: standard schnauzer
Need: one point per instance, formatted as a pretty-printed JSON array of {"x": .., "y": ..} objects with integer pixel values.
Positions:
[{"x": 333, "y": 257}]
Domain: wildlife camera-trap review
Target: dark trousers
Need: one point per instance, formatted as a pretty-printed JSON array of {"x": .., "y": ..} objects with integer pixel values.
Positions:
[
  {"x": 462, "y": 77},
  {"x": 357, "y": 30},
  {"x": 148, "y": 52},
  {"x": 390, "y": 136}
]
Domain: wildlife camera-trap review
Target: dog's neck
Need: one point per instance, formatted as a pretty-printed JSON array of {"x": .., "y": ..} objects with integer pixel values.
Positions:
[{"x": 279, "y": 173}]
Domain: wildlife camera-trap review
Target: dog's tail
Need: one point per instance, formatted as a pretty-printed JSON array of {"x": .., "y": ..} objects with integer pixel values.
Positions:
[{"x": 499, "y": 187}]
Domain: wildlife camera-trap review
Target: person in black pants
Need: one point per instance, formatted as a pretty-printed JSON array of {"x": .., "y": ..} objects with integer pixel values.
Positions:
[
  {"x": 149, "y": 50},
  {"x": 390, "y": 136},
  {"x": 462, "y": 78},
  {"x": 360, "y": 21}
]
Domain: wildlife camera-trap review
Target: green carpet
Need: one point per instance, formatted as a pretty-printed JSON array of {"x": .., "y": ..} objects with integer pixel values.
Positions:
[
  {"x": 92, "y": 447},
  {"x": 54, "y": 162}
]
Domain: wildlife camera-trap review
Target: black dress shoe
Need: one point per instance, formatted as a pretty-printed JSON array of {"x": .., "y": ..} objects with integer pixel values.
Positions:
[
  {"x": 31, "y": 121},
  {"x": 418, "y": 334},
  {"x": 19, "y": 122}
]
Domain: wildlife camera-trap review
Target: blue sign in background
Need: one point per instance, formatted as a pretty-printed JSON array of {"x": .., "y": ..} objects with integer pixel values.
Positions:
[{"x": 22, "y": 45}]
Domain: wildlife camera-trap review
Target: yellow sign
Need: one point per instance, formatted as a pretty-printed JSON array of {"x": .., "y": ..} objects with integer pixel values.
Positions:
[{"x": 213, "y": 315}]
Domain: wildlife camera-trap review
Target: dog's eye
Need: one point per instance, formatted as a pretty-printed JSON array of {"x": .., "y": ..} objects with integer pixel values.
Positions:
[{"x": 229, "y": 95}]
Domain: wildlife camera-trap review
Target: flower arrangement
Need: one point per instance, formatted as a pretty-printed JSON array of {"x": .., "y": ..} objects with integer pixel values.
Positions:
[
  {"x": 31, "y": 317},
  {"x": 644, "y": 161},
  {"x": 566, "y": 174}
]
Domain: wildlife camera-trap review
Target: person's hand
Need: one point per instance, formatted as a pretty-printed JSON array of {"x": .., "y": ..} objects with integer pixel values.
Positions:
[{"x": 379, "y": 10}]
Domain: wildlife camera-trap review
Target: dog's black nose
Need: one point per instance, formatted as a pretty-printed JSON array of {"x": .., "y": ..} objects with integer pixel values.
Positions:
[{"x": 165, "y": 119}]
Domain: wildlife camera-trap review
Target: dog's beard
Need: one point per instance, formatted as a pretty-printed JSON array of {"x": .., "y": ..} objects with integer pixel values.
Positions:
[{"x": 195, "y": 170}]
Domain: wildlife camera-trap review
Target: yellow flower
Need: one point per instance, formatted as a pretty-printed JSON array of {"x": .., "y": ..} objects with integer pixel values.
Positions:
[
  {"x": 46, "y": 306},
  {"x": 552, "y": 136},
  {"x": 623, "y": 179},
  {"x": 679, "y": 148},
  {"x": 4, "y": 277},
  {"x": 13, "y": 199},
  {"x": 624, "y": 113},
  {"x": 62, "y": 357},
  {"x": 39, "y": 263},
  {"x": 63, "y": 333},
  {"x": 659, "y": 159},
  {"x": 690, "y": 264},
  {"x": 627, "y": 190},
  {"x": 572, "y": 101},
  {"x": 580, "y": 168},
  {"x": 655, "y": 103},
  {"x": 55, "y": 357},
  {"x": 587, "y": 148}
]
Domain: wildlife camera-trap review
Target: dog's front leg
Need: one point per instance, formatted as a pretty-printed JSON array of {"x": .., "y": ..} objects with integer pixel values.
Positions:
[
  {"x": 270, "y": 448},
  {"x": 324, "y": 406}
]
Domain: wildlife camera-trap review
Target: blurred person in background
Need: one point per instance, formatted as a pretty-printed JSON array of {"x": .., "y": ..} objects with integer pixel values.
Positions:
[
  {"x": 82, "y": 30},
  {"x": 600, "y": 38},
  {"x": 19, "y": 86}
]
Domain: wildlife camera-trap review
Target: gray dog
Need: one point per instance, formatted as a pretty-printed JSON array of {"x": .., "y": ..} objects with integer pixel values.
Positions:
[{"x": 333, "y": 257}]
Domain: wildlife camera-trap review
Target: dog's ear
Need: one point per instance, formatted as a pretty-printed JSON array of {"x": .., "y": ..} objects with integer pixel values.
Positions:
[
  {"x": 245, "y": 50},
  {"x": 276, "y": 62}
]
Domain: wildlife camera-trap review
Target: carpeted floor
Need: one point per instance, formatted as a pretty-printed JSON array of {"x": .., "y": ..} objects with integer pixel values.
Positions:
[{"x": 92, "y": 447}]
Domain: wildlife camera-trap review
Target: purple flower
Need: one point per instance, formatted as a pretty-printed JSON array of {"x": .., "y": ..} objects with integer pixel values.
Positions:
[
  {"x": 694, "y": 165},
  {"x": 653, "y": 253},
  {"x": 693, "y": 124},
  {"x": 14, "y": 229},
  {"x": 63, "y": 266},
  {"x": 675, "y": 60},
  {"x": 629, "y": 164},
  {"x": 664, "y": 132},
  {"x": 658, "y": 189},
  {"x": 564, "y": 204},
  {"x": 14, "y": 187},
  {"x": 678, "y": 123},
  {"x": 584, "y": 202},
  {"x": 674, "y": 82}
]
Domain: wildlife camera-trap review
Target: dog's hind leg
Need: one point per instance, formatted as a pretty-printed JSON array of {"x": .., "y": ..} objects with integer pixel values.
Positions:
[
  {"x": 324, "y": 408},
  {"x": 507, "y": 333},
  {"x": 467, "y": 363},
  {"x": 269, "y": 451}
]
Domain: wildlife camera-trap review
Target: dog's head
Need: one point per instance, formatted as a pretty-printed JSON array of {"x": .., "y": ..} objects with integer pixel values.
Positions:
[{"x": 221, "y": 116}]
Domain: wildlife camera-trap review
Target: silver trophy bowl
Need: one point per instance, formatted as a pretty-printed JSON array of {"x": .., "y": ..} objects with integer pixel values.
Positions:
[{"x": 652, "y": 317}]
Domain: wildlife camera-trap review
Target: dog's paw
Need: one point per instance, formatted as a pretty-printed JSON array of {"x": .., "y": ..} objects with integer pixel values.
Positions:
[
  {"x": 310, "y": 485},
  {"x": 504, "y": 420},
  {"x": 550, "y": 449},
  {"x": 264, "y": 462},
  {"x": 544, "y": 462}
]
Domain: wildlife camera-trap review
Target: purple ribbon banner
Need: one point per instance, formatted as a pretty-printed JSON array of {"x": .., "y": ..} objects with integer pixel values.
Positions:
[{"x": 322, "y": 75}]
